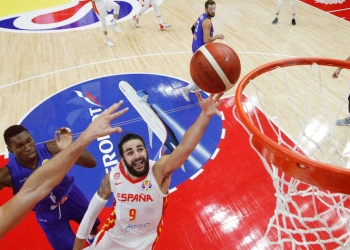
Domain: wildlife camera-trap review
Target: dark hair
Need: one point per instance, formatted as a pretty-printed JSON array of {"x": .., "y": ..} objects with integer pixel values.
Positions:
[
  {"x": 127, "y": 138},
  {"x": 209, "y": 2},
  {"x": 12, "y": 131}
]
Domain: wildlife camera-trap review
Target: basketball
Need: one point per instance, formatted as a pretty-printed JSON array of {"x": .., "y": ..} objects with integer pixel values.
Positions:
[{"x": 215, "y": 68}]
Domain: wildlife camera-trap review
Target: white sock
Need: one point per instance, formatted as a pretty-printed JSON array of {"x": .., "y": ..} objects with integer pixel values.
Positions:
[{"x": 160, "y": 20}]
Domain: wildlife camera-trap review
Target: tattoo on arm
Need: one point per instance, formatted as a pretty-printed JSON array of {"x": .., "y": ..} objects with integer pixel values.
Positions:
[{"x": 105, "y": 188}]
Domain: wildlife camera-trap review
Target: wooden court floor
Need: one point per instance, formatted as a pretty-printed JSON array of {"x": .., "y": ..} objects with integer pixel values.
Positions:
[{"x": 34, "y": 66}]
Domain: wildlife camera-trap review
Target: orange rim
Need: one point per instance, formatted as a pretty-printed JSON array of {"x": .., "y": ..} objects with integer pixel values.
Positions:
[{"x": 313, "y": 172}]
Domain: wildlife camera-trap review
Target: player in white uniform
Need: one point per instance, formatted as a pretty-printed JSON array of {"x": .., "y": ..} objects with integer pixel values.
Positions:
[
  {"x": 100, "y": 8},
  {"x": 140, "y": 188},
  {"x": 278, "y": 10},
  {"x": 145, "y": 5}
]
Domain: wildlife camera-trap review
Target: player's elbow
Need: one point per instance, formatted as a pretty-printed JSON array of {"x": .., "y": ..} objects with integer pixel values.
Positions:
[{"x": 91, "y": 164}]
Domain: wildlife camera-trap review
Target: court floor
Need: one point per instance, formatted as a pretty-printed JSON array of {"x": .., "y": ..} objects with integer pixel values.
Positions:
[{"x": 50, "y": 48}]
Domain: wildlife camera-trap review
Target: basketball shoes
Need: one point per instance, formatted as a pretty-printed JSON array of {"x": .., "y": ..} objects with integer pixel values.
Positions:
[
  {"x": 164, "y": 26},
  {"x": 136, "y": 21},
  {"x": 343, "y": 122},
  {"x": 109, "y": 42},
  {"x": 115, "y": 28},
  {"x": 275, "y": 21}
]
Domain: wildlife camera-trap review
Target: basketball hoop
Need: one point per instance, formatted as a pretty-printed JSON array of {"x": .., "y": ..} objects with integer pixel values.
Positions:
[
  {"x": 312, "y": 184},
  {"x": 330, "y": 1}
]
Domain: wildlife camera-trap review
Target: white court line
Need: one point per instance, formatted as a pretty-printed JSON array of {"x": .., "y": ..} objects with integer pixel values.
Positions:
[
  {"x": 196, "y": 174},
  {"x": 223, "y": 133},
  {"x": 215, "y": 154}
]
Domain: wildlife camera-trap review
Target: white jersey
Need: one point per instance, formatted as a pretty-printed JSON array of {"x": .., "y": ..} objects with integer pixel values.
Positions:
[{"x": 138, "y": 211}]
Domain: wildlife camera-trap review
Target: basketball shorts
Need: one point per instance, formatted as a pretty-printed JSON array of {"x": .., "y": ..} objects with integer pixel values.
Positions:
[{"x": 55, "y": 223}]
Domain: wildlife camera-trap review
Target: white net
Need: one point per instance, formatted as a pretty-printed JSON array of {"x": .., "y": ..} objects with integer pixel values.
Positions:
[
  {"x": 297, "y": 107},
  {"x": 330, "y": 1}
]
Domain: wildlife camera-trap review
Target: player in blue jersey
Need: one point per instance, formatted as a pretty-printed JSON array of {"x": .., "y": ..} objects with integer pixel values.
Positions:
[
  {"x": 203, "y": 33},
  {"x": 44, "y": 179},
  {"x": 64, "y": 203}
]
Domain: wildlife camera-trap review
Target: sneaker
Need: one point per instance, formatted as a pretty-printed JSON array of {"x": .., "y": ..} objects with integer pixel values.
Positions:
[
  {"x": 109, "y": 43},
  {"x": 185, "y": 91},
  {"x": 164, "y": 26},
  {"x": 136, "y": 21},
  {"x": 275, "y": 21},
  {"x": 343, "y": 122},
  {"x": 293, "y": 21},
  {"x": 115, "y": 28}
]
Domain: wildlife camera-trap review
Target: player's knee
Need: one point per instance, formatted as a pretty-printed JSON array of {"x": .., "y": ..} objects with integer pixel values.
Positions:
[
  {"x": 116, "y": 8},
  {"x": 104, "y": 25}
]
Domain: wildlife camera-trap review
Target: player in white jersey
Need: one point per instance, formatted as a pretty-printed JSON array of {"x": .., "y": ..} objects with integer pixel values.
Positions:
[
  {"x": 278, "y": 10},
  {"x": 145, "y": 5},
  {"x": 140, "y": 188},
  {"x": 100, "y": 8}
]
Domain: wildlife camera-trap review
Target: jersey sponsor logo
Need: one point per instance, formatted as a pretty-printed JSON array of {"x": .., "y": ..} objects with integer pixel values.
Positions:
[
  {"x": 130, "y": 227},
  {"x": 118, "y": 183},
  {"x": 146, "y": 185},
  {"x": 23, "y": 180},
  {"x": 134, "y": 197}
]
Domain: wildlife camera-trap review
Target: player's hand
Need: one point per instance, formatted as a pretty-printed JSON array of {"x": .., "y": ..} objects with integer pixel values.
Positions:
[
  {"x": 100, "y": 126},
  {"x": 63, "y": 137},
  {"x": 336, "y": 73},
  {"x": 220, "y": 36},
  {"x": 210, "y": 105}
]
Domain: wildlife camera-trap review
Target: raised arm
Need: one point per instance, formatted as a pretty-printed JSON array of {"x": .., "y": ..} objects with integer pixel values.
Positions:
[
  {"x": 168, "y": 163},
  {"x": 96, "y": 205},
  {"x": 86, "y": 159},
  {"x": 43, "y": 180}
]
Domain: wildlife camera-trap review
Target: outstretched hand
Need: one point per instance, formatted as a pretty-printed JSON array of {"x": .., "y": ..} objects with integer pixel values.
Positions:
[
  {"x": 209, "y": 106},
  {"x": 336, "y": 73},
  {"x": 63, "y": 137},
  {"x": 100, "y": 126}
]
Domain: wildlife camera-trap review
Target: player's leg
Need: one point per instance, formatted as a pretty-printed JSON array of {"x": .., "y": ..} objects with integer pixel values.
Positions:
[
  {"x": 76, "y": 207},
  {"x": 57, "y": 229},
  {"x": 346, "y": 121},
  {"x": 111, "y": 5},
  {"x": 144, "y": 7},
  {"x": 162, "y": 25},
  {"x": 278, "y": 10},
  {"x": 292, "y": 4},
  {"x": 101, "y": 13}
]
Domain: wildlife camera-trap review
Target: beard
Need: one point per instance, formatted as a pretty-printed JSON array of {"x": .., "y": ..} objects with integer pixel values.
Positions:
[
  {"x": 211, "y": 15},
  {"x": 134, "y": 172}
]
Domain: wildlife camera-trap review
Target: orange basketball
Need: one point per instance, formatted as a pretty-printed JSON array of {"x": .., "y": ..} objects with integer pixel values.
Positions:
[{"x": 215, "y": 68}]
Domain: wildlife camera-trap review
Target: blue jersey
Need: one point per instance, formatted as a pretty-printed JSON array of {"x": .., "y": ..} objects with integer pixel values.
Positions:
[
  {"x": 198, "y": 33},
  {"x": 20, "y": 174}
]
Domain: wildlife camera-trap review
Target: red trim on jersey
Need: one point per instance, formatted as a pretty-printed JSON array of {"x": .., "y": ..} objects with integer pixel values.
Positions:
[
  {"x": 108, "y": 224},
  {"x": 121, "y": 168},
  {"x": 160, "y": 226}
]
